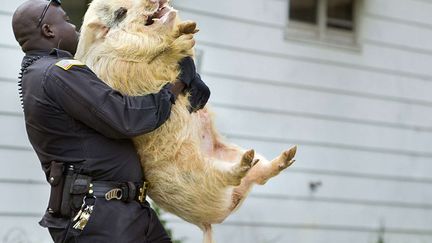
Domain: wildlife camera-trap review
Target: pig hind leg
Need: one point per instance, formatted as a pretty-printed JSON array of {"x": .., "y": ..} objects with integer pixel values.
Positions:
[
  {"x": 261, "y": 173},
  {"x": 208, "y": 233},
  {"x": 268, "y": 169},
  {"x": 232, "y": 162},
  {"x": 239, "y": 170}
]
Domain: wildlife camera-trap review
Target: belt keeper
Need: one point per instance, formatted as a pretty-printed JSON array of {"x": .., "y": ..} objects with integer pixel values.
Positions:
[{"x": 115, "y": 193}]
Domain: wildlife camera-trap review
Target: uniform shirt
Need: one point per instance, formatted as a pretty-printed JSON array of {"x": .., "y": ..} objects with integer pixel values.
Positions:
[{"x": 73, "y": 116}]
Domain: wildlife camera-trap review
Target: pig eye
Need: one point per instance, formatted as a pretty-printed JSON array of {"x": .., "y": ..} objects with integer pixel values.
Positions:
[{"x": 120, "y": 14}]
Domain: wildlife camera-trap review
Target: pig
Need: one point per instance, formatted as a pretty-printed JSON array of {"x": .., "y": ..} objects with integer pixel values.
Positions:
[{"x": 135, "y": 47}]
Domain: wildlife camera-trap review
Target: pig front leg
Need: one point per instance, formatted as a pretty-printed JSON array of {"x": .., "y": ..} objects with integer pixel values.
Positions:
[{"x": 180, "y": 47}]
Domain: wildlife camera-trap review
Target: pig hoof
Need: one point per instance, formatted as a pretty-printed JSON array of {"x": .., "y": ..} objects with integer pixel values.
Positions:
[
  {"x": 240, "y": 169},
  {"x": 287, "y": 158},
  {"x": 254, "y": 162},
  {"x": 247, "y": 158},
  {"x": 188, "y": 27}
]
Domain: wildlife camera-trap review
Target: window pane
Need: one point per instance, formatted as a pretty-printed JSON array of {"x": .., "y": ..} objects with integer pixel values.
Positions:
[
  {"x": 304, "y": 10},
  {"x": 340, "y": 14}
]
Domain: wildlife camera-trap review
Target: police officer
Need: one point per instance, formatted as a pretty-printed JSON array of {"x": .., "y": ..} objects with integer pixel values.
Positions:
[{"x": 80, "y": 129}]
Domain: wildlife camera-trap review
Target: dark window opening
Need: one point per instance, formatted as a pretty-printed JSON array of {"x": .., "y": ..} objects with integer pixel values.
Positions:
[
  {"x": 340, "y": 14},
  {"x": 304, "y": 11}
]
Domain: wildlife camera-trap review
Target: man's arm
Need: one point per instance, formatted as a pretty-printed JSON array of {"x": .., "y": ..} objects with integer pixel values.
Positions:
[{"x": 88, "y": 99}]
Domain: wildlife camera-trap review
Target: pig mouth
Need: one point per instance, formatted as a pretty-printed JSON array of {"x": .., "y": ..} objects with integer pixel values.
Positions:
[{"x": 159, "y": 14}]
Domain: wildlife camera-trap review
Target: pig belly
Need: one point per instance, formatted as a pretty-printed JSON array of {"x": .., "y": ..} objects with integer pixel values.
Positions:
[
  {"x": 192, "y": 187},
  {"x": 212, "y": 144}
]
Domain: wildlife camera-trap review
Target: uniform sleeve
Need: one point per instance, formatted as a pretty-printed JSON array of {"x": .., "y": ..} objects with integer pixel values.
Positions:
[{"x": 81, "y": 94}]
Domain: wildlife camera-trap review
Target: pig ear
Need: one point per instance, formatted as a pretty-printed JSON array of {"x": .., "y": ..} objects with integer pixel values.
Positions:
[
  {"x": 98, "y": 29},
  {"x": 91, "y": 32}
]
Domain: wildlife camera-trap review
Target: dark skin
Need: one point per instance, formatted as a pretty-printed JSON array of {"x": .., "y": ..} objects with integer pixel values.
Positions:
[{"x": 56, "y": 31}]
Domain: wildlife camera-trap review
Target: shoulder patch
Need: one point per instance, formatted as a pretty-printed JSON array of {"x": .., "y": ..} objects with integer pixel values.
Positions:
[{"x": 66, "y": 64}]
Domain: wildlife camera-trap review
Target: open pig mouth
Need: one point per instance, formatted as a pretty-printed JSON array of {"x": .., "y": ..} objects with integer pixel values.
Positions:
[{"x": 159, "y": 14}]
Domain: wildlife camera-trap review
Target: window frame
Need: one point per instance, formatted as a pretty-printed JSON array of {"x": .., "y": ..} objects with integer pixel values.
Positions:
[{"x": 320, "y": 33}]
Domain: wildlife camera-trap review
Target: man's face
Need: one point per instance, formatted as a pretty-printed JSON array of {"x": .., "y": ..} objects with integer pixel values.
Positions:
[{"x": 65, "y": 32}]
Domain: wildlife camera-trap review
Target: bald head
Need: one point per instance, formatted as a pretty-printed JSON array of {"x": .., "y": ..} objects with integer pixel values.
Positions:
[
  {"x": 25, "y": 20},
  {"x": 55, "y": 30}
]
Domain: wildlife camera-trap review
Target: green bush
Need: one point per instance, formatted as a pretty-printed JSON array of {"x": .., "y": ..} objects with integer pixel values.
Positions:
[{"x": 160, "y": 214}]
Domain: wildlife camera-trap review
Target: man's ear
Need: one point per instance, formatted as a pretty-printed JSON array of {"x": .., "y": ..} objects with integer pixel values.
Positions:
[{"x": 47, "y": 31}]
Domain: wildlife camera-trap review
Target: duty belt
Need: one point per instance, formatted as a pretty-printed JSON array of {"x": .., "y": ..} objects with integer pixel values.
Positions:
[
  {"x": 70, "y": 189},
  {"x": 124, "y": 191}
]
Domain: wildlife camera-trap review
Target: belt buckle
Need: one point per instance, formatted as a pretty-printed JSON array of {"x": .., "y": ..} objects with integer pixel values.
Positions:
[
  {"x": 115, "y": 193},
  {"x": 143, "y": 192}
]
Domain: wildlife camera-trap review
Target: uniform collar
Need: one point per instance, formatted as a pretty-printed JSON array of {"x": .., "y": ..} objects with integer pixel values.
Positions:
[
  {"x": 53, "y": 52},
  {"x": 60, "y": 53}
]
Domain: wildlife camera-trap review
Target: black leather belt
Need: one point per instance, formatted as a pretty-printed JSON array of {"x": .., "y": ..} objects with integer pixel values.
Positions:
[{"x": 124, "y": 191}]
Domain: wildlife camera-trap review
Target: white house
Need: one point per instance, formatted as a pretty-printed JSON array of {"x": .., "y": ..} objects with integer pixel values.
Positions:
[{"x": 349, "y": 81}]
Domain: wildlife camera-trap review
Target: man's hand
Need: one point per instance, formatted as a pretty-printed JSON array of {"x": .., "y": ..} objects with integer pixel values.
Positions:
[
  {"x": 187, "y": 74},
  {"x": 191, "y": 81},
  {"x": 187, "y": 71},
  {"x": 199, "y": 94},
  {"x": 177, "y": 88}
]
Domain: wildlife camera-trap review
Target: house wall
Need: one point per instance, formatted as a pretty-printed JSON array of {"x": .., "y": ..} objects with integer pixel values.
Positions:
[
  {"x": 24, "y": 194},
  {"x": 362, "y": 119}
]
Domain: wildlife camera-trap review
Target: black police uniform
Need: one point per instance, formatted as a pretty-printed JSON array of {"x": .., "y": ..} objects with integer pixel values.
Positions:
[{"x": 72, "y": 116}]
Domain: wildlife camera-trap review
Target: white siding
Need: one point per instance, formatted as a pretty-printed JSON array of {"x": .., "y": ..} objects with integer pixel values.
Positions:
[
  {"x": 24, "y": 192},
  {"x": 362, "y": 120}
]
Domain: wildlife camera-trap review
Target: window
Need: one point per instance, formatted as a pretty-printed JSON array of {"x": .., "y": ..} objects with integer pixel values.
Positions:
[
  {"x": 331, "y": 22},
  {"x": 340, "y": 14},
  {"x": 304, "y": 11},
  {"x": 76, "y": 11}
]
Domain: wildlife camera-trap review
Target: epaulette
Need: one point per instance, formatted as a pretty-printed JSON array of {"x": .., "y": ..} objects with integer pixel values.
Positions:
[{"x": 66, "y": 64}]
